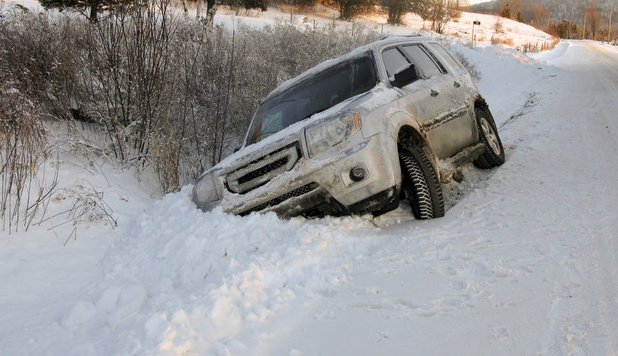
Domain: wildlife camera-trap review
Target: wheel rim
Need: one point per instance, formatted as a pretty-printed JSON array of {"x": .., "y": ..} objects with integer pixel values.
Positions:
[{"x": 490, "y": 135}]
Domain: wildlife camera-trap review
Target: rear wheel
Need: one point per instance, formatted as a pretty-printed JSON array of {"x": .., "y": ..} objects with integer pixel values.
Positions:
[
  {"x": 420, "y": 183},
  {"x": 493, "y": 155}
]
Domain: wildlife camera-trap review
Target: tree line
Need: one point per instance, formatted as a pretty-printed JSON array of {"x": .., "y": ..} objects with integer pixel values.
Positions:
[{"x": 437, "y": 12}]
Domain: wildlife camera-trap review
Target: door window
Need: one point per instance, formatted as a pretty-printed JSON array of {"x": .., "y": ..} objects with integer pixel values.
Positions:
[
  {"x": 448, "y": 57},
  {"x": 394, "y": 61},
  {"x": 425, "y": 64}
]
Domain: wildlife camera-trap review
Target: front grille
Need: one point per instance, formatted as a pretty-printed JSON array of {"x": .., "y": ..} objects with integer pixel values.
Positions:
[
  {"x": 263, "y": 169},
  {"x": 280, "y": 199}
]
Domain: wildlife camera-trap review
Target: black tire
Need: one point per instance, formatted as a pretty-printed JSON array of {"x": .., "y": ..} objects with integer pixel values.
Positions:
[
  {"x": 420, "y": 183},
  {"x": 493, "y": 155}
]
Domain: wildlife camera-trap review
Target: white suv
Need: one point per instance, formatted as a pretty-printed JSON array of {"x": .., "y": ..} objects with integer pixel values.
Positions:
[{"x": 389, "y": 120}]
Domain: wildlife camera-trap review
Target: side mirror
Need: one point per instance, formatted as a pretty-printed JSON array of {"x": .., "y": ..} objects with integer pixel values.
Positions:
[{"x": 405, "y": 76}]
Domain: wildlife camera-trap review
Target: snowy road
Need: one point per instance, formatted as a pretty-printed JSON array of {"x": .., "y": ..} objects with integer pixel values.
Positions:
[{"x": 524, "y": 262}]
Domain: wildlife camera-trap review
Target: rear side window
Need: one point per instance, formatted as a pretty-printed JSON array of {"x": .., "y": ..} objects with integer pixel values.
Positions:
[
  {"x": 393, "y": 61},
  {"x": 447, "y": 56},
  {"x": 426, "y": 65}
]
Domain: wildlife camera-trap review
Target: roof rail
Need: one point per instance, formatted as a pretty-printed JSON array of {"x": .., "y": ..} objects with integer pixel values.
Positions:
[{"x": 389, "y": 35}]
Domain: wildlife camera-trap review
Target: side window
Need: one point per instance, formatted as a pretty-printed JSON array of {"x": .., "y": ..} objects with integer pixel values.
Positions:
[
  {"x": 393, "y": 61},
  {"x": 448, "y": 57},
  {"x": 364, "y": 77},
  {"x": 425, "y": 64}
]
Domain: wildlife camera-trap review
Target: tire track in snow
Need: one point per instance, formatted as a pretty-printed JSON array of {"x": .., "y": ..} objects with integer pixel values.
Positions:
[{"x": 583, "y": 316}]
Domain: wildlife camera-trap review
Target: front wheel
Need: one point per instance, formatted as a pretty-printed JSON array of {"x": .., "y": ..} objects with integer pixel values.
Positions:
[
  {"x": 493, "y": 155},
  {"x": 421, "y": 184}
]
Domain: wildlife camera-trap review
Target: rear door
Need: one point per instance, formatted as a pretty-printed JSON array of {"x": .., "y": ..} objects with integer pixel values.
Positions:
[{"x": 453, "y": 64}]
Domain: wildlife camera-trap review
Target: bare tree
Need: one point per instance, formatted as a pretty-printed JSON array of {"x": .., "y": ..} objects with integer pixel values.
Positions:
[
  {"x": 609, "y": 24},
  {"x": 128, "y": 77},
  {"x": 22, "y": 152},
  {"x": 593, "y": 18},
  {"x": 498, "y": 26},
  {"x": 540, "y": 14},
  {"x": 439, "y": 12}
]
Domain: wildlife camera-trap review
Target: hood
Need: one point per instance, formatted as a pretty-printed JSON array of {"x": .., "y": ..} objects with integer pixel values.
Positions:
[{"x": 361, "y": 103}]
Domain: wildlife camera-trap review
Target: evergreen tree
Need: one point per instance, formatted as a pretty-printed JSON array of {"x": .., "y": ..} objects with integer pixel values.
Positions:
[
  {"x": 247, "y": 4},
  {"x": 348, "y": 9},
  {"x": 396, "y": 9},
  {"x": 90, "y": 8}
]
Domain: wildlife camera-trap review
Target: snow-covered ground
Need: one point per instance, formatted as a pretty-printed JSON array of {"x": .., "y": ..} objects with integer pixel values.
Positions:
[
  {"x": 524, "y": 262},
  {"x": 510, "y": 32}
]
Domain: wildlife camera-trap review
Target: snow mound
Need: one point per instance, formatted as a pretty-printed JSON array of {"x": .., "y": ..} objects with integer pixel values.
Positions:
[{"x": 196, "y": 280}]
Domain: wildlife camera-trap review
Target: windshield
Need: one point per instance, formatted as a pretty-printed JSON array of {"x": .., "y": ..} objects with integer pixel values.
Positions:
[{"x": 312, "y": 95}]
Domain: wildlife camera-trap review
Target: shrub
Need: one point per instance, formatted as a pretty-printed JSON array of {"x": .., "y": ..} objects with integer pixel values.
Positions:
[{"x": 22, "y": 151}]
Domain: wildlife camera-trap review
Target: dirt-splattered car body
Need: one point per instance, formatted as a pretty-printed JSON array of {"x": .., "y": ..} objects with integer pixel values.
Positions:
[{"x": 329, "y": 140}]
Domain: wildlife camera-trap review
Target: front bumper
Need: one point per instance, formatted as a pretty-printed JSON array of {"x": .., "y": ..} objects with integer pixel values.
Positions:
[{"x": 322, "y": 185}]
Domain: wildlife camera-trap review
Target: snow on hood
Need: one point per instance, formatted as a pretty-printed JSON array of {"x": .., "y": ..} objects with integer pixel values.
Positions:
[{"x": 365, "y": 102}]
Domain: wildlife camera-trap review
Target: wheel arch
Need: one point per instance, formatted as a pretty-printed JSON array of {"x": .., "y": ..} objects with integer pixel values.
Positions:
[
  {"x": 481, "y": 103},
  {"x": 408, "y": 134},
  {"x": 487, "y": 159}
]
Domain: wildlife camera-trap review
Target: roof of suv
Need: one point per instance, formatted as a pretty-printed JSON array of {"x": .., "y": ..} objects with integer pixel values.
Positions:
[{"x": 373, "y": 46}]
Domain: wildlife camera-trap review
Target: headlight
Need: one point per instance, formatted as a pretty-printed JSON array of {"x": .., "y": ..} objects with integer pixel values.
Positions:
[
  {"x": 326, "y": 135},
  {"x": 205, "y": 192}
]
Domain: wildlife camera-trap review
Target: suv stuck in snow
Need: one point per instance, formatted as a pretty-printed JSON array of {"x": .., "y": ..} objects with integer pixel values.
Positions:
[{"x": 392, "y": 119}]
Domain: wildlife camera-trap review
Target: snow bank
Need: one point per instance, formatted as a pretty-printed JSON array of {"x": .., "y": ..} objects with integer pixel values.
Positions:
[
  {"x": 204, "y": 281},
  {"x": 508, "y": 78},
  {"x": 517, "y": 33},
  {"x": 173, "y": 279}
]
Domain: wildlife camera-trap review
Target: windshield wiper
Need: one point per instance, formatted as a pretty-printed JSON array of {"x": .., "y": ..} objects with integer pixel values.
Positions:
[
  {"x": 318, "y": 111},
  {"x": 265, "y": 134}
]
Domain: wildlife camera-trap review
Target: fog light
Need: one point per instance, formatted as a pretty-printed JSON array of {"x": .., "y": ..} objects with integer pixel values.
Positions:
[{"x": 357, "y": 174}]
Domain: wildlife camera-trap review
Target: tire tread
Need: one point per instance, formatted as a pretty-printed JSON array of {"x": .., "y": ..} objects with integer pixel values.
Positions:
[{"x": 421, "y": 183}]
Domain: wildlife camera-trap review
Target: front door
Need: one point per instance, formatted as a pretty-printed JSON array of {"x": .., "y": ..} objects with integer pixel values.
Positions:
[{"x": 435, "y": 99}]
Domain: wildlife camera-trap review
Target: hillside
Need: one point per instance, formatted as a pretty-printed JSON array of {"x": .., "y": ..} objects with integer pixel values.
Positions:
[{"x": 514, "y": 34}]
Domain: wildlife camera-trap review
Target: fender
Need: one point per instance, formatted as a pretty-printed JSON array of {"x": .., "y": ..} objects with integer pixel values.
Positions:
[{"x": 402, "y": 123}]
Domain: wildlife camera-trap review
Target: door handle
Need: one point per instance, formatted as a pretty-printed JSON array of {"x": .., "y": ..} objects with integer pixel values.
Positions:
[
  {"x": 456, "y": 84},
  {"x": 434, "y": 93}
]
